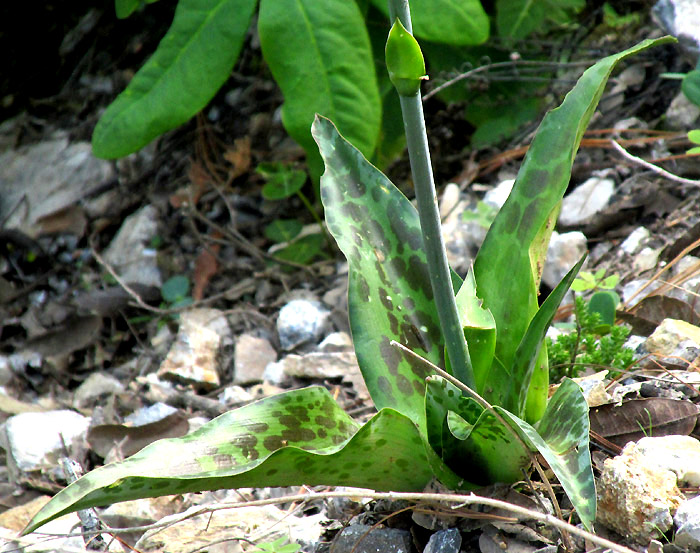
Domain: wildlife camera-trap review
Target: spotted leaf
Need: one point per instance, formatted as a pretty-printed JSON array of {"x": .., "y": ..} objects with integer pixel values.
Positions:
[
  {"x": 469, "y": 439},
  {"x": 562, "y": 439},
  {"x": 390, "y": 296},
  {"x": 298, "y": 437},
  {"x": 508, "y": 265}
]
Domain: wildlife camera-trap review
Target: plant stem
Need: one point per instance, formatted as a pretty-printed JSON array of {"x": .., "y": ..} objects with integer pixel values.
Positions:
[{"x": 438, "y": 269}]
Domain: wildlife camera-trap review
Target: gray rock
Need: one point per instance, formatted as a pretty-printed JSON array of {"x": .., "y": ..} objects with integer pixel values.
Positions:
[
  {"x": 579, "y": 207},
  {"x": 681, "y": 18},
  {"x": 315, "y": 365},
  {"x": 462, "y": 236},
  {"x": 630, "y": 295},
  {"x": 444, "y": 541},
  {"x": 96, "y": 385},
  {"x": 336, "y": 341},
  {"x": 300, "y": 322},
  {"x": 687, "y": 521},
  {"x": 252, "y": 356},
  {"x": 634, "y": 240},
  {"x": 498, "y": 195},
  {"x": 682, "y": 113},
  {"x": 673, "y": 337},
  {"x": 35, "y": 441},
  {"x": 564, "y": 252},
  {"x": 646, "y": 259},
  {"x": 235, "y": 395},
  {"x": 58, "y": 174},
  {"x": 360, "y": 538},
  {"x": 147, "y": 415},
  {"x": 129, "y": 254}
]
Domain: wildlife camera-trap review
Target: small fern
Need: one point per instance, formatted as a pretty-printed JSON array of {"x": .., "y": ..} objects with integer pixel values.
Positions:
[{"x": 588, "y": 345}]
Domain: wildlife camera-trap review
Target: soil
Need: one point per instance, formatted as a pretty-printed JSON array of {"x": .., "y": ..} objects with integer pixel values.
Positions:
[{"x": 84, "y": 56}]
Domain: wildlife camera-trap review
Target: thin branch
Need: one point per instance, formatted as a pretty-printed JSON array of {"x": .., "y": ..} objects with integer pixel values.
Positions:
[
  {"x": 461, "y": 500},
  {"x": 504, "y": 64},
  {"x": 656, "y": 169}
]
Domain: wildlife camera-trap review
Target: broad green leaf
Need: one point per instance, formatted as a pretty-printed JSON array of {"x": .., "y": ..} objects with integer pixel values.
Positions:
[
  {"x": 390, "y": 296},
  {"x": 505, "y": 274},
  {"x": 562, "y": 439},
  {"x": 469, "y": 439},
  {"x": 447, "y": 21},
  {"x": 694, "y": 135},
  {"x": 518, "y": 18},
  {"x": 529, "y": 364},
  {"x": 298, "y": 437},
  {"x": 604, "y": 303},
  {"x": 319, "y": 54},
  {"x": 190, "y": 64}
]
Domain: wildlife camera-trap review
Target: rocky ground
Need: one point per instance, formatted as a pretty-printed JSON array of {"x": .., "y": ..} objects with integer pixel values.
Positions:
[{"x": 139, "y": 299}]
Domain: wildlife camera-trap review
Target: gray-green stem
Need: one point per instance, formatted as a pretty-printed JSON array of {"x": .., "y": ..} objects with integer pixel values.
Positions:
[{"x": 439, "y": 271}]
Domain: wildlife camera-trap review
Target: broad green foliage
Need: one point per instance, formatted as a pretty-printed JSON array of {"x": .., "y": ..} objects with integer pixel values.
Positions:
[
  {"x": 518, "y": 18},
  {"x": 426, "y": 425},
  {"x": 318, "y": 52},
  {"x": 191, "y": 63},
  {"x": 320, "y": 55},
  {"x": 447, "y": 21}
]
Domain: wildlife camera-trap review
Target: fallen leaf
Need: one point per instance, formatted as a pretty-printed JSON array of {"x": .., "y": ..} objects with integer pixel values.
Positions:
[
  {"x": 638, "y": 418},
  {"x": 103, "y": 438},
  {"x": 239, "y": 157}
]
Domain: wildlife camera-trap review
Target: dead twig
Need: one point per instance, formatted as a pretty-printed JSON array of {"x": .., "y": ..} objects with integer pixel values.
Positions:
[
  {"x": 656, "y": 169},
  {"x": 460, "y": 500}
]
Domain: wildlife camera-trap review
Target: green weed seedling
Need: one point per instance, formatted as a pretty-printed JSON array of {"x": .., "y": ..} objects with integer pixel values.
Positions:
[
  {"x": 282, "y": 182},
  {"x": 280, "y": 545},
  {"x": 412, "y": 319},
  {"x": 591, "y": 344},
  {"x": 176, "y": 292}
]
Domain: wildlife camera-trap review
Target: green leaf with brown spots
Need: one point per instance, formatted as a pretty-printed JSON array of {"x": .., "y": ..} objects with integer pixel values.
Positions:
[
  {"x": 561, "y": 436},
  {"x": 470, "y": 439},
  {"x": 390, "y": 296},
  {"x": 477, "y": 446},
  {"x": 509, "y": 262},
  {"x": 298, "y": 437}
]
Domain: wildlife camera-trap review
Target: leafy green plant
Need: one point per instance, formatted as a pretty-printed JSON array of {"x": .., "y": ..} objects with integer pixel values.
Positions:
[
  {"x": 483, "y": 216},
  {"x": 176, "y": 291},
  {"x": 319, "y": 53},
  {"x": 322, "y": 55},
  {"x": 283, "y": 182},
  {"x": 476, "y": 424},
  {"x": 590, "y": 344},
  {"x": 594, "y": 281}
]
